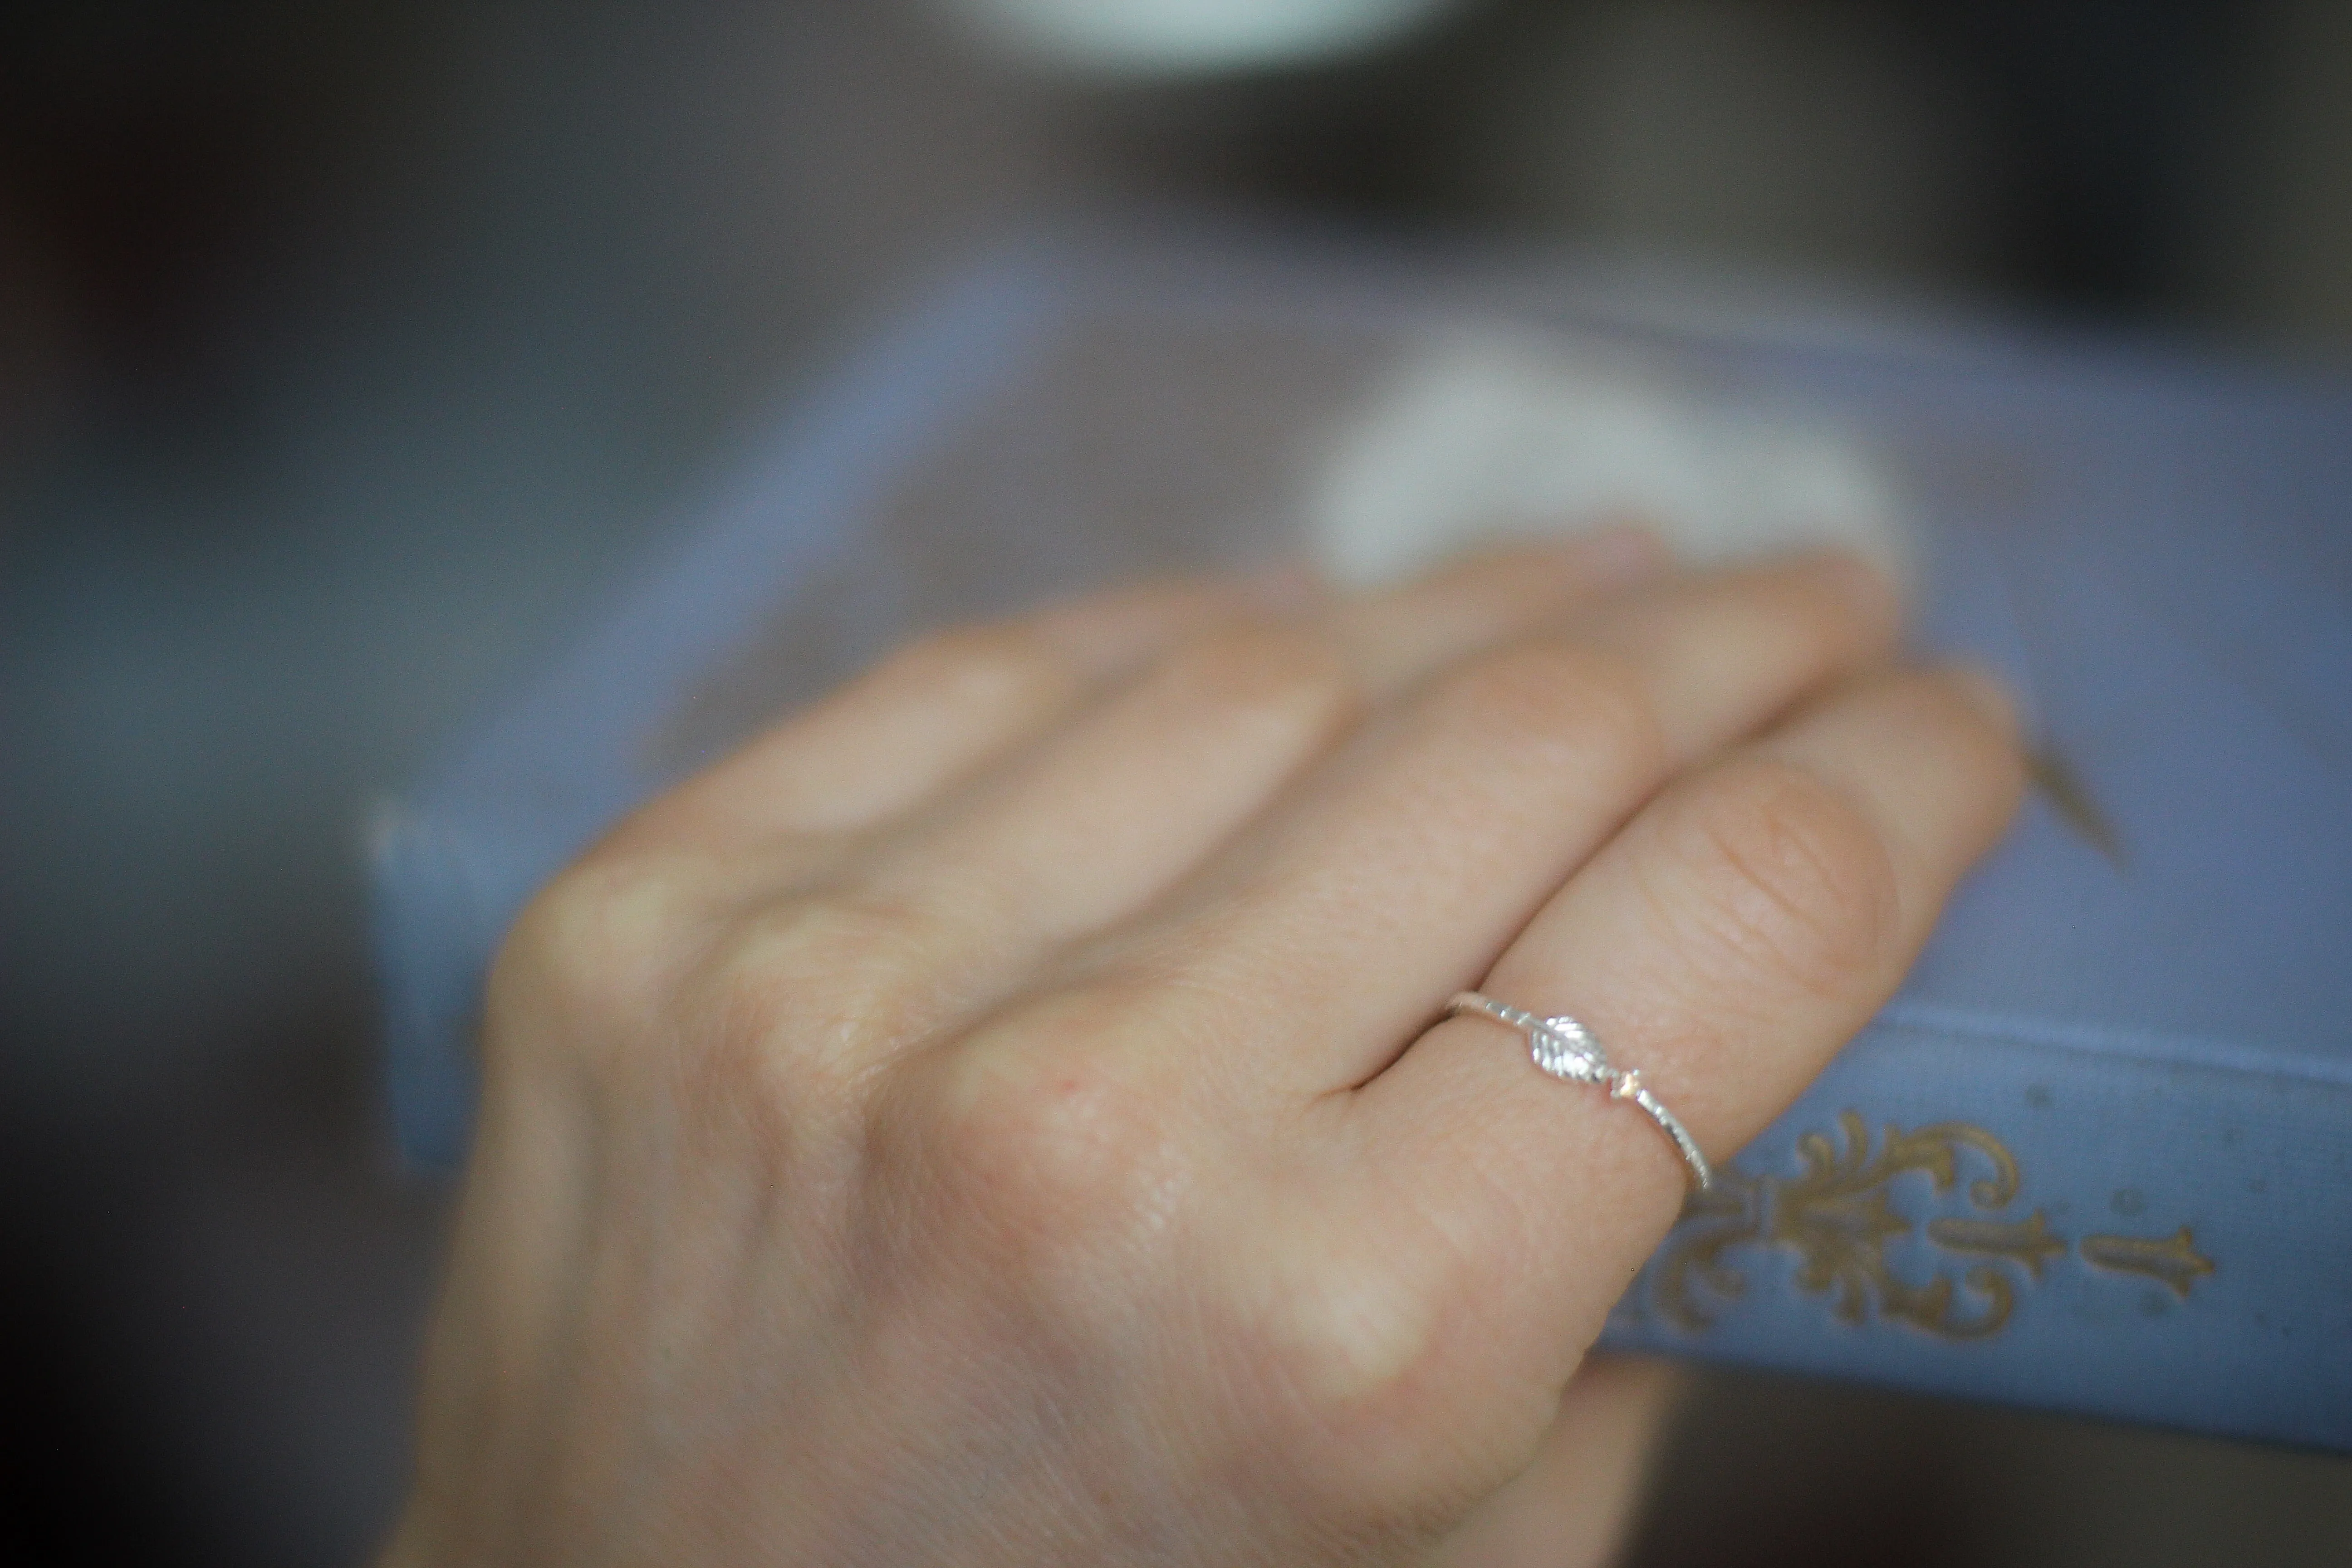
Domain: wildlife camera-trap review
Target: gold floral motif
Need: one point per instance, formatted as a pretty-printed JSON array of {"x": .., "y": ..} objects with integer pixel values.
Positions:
[
  {"x": 1837, "y": 1218},
  {"x": 1728, "y": 1215},
  {"x": 2029, "y": 1241},
  {"x": 2173, "y": 1260}
]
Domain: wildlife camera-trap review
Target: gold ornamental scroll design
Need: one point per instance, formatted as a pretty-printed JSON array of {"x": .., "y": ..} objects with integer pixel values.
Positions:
[{"x": 1837, "y": 1217}]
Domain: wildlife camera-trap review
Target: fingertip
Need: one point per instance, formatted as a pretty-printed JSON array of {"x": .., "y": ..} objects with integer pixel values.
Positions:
[
  {"x": 1618, "y": 555},
  {"x": 1864, "y": 584},
  {"x": 1999, "y": 753}
]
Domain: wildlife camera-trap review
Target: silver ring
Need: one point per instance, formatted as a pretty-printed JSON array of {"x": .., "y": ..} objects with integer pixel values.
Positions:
[{"x": 1566, "y": 1049}]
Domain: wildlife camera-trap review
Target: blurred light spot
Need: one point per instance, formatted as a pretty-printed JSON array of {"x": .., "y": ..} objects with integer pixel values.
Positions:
[{"x": 1152, "y": 37}]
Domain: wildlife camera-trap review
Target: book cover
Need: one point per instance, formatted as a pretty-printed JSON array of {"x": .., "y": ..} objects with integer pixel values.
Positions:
[{"x": 2097, "y": 1156}]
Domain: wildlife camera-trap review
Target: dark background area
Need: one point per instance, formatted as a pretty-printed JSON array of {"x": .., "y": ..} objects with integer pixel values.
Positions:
[{"x": 349, "y": 354}]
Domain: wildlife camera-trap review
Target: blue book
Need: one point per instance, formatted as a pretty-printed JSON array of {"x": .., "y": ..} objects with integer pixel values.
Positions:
[{"x": 2097, "y": 1154}]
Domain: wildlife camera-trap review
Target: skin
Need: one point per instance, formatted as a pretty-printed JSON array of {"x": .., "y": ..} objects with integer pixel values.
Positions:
[{"x": 1001, "y": 1116}]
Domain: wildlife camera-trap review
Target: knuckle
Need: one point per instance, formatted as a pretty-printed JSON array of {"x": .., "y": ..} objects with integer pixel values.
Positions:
[
  {"x": 1575, "y": 698},
  {"x": 604, "y": 937},
  {"x": 1351, "y": 1336},
  {"x": 1048, "y": 1132},
  {"x": 1357, "y": 1341},
  {"x": 778, "y": 1022},
  {"x": 815, "y": 978},
  {"x": 1799, "y": 879}
]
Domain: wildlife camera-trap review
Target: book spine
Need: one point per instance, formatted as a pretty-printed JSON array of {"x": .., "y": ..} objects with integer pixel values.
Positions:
[{"x": 1969, "y": 1210}]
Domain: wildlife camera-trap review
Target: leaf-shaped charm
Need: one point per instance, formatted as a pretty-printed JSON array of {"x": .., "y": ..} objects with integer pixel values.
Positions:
[{"x": 1564, "y": 1048}]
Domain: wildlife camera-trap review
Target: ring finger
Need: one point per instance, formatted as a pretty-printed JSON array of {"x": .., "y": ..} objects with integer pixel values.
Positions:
[{"x": 1724, "y": 944}]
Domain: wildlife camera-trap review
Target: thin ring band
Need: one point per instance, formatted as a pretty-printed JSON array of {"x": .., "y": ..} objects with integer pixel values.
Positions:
[{"x": 1566, "y": 1049}]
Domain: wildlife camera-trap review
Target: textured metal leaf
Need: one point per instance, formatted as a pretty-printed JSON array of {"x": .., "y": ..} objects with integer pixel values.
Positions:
[{"x": 1564, "y": 1048}]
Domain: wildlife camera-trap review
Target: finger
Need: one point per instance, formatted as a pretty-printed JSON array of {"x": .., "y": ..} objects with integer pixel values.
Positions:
[
  {"x": 1396, "y": 636},
  {"x": 1398, "y": 873},
  {"x": 939, "y": 709},
  {"x": 1575, "y": 1501},
  {"x": 1725, "y": 945}
]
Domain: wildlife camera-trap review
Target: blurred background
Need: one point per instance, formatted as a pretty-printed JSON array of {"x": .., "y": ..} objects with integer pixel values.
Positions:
[{"x": 350, "y": 355}]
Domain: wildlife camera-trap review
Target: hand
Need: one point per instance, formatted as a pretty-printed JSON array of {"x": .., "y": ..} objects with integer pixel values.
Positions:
[{"x": 999, "y": 1117}]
